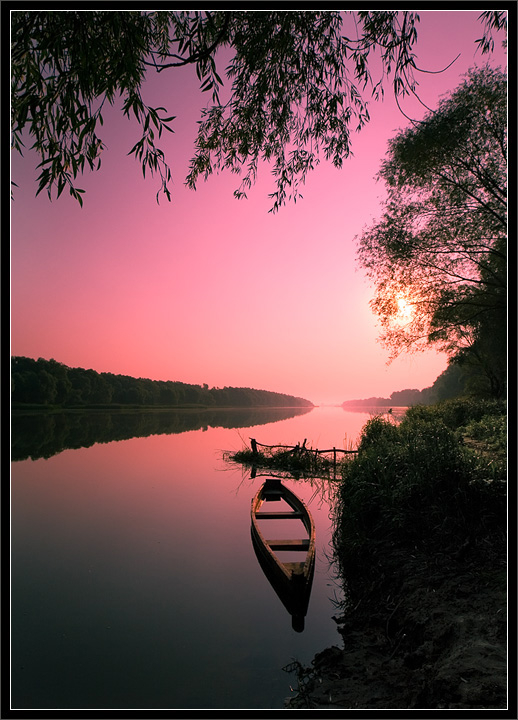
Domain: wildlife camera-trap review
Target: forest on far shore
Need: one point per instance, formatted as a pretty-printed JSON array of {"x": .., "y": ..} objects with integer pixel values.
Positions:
[
  {"x": 456, "y": 381},
  {"x": 50, "y": 383}
]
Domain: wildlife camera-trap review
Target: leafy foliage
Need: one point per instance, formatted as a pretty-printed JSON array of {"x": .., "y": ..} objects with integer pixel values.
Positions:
[
  {"x": 298, "y": 86},
  {"x": 291, "y": 94},
  {"x": 47, "y": 382},
  {"x": 65, "y": 67},
  {"x": 441, "y": 244},
  {"x": 493, "y": 20},
  {"x": 467, "y": 380},
  {"x": 457, "y": 413},
  {"x": 417, "y": 485},
  {"x": 490, "y": 430}
]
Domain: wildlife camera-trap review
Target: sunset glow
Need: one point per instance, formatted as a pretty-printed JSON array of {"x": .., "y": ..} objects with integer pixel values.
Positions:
[
  {"x": 210, "y": 289},
  {"x": 405, "y": 310}
]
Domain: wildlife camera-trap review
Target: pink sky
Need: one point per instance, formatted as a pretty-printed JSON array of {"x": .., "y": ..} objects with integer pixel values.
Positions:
[{"x": 209, "y": 289}]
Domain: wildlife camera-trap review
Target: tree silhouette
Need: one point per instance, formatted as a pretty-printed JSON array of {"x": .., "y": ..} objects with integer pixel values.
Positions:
[
  {"x": 299, "y": 86},
  {"x": 440, "y": 248}
]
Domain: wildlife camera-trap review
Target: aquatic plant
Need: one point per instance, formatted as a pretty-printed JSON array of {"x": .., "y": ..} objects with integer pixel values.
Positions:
[{"x": 296, "y": 461}]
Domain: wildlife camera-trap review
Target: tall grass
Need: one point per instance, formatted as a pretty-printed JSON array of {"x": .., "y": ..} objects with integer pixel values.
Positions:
[{"x": 417, "y": 486}]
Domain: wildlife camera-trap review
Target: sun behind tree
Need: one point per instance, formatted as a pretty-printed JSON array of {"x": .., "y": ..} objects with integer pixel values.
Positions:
[{"x": 438, "y": 255}]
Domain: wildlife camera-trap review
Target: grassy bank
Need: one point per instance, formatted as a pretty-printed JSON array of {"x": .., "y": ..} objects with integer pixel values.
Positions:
[
  {"x": 436, "y": 481},
  {"x": 420, "y": 546},
  {"x": 420, "y": 522}
]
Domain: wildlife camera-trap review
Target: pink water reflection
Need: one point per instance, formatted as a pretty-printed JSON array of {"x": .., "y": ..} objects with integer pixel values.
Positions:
[
  {"x": 132, "y": 563},
  {"x": 324, "y": 427}
]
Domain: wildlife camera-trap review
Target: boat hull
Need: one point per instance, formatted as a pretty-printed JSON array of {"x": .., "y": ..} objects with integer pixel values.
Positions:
[{"x": 291, "y": 580}]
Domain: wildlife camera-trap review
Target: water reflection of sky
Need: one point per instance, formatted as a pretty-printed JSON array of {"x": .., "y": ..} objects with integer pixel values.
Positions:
[{"x": 134, "y": 580}]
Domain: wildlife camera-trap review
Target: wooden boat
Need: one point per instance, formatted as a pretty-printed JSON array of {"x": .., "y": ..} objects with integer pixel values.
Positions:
[{"x": 291, "y": 580}]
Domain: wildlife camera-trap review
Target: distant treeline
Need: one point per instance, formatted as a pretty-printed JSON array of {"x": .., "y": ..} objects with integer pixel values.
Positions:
[
  {"x": 455, "y": 381},
  {"x": 50, "y": 383},
  {"x": 402, "y": 398}
]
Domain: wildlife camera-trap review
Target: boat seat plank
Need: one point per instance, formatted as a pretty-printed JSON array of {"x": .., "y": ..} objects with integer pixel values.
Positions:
[
  {"x": 297, "y": 568},
  {"x": 289, "y": 544},
  {"x": 278, "y": 515},
  {"x": 272, "y": 495}
]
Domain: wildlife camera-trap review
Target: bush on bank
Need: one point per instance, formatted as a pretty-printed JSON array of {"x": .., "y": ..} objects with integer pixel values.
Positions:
[{"x": 420, "y": 487}]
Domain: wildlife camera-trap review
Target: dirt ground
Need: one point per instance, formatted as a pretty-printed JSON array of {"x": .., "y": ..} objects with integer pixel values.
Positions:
[{"x": 437, "y": 640}]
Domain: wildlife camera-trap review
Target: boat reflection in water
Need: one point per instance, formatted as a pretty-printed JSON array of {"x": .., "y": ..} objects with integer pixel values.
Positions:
[{"x": 290, "y": 579}]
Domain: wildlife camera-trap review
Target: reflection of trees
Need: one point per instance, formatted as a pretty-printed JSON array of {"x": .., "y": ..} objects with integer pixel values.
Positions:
[{"x": 41, "y": 435}]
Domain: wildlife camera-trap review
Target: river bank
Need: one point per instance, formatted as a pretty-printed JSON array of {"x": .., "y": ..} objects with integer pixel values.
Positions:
[
  {"x": 421, "y": 541},
  {"x": 438, "y": 642}
]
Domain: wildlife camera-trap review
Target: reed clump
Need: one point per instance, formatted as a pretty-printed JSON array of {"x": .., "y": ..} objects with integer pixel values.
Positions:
[
  {"x": 298, "y": 461},
  {"x": 304, "y": 464},
  {"x": 423, "y": 487}
]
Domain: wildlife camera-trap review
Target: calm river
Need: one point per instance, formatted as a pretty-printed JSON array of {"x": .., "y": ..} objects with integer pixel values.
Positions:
[{"x": 134, "y": 580}]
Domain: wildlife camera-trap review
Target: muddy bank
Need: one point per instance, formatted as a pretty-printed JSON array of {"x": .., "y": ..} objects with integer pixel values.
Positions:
[{"x": 436, "y": 640}]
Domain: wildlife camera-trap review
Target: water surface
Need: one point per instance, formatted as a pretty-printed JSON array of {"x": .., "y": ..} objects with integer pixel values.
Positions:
[{"x": 135, "y": 583}]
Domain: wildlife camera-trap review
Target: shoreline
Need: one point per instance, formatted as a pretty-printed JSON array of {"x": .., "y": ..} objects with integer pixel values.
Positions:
[
  {"x": 438, "y": 642},
  {"x": 37, "y": 409}
]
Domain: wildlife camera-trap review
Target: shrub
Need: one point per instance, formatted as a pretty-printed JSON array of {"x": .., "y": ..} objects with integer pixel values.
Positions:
[
  {"x": 491, "y": 430},
  {"x": 415, "y": 485},
  {"x": 456, "y": 413},
  {"x": 376, "y": 430}
]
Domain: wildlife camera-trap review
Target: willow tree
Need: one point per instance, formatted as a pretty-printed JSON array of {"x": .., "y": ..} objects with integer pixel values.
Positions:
[
  {"x": 438, "y": 254},
  {"x": 298, "y": 86}
]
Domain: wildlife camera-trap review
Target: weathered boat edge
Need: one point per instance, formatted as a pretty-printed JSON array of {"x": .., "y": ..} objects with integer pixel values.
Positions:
[
  {"x": 289, "y": 579},
  {"x": 294, "y": 596}
]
